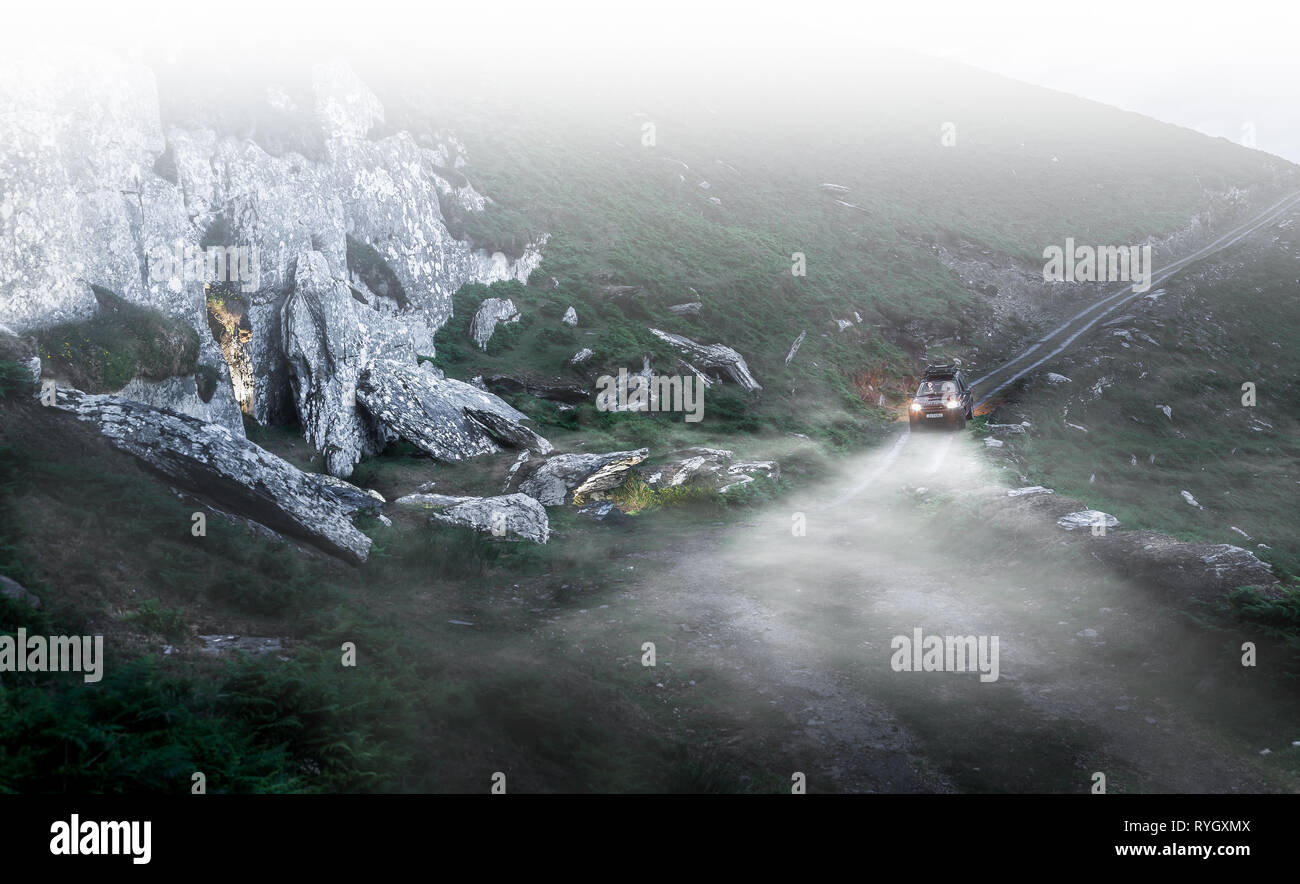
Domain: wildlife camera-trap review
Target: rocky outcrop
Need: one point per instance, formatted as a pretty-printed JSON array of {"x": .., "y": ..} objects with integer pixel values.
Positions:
[
  {"x": 711, "y": 468},
  {"x": 491, "y": 313},
  {"x": 449, "y": 419},
  {"x": 182, "y": 394},
  {"x": 581, "y": 356},
  {"x": 324, "y": 343},
  {"x": 99, "y": 191},
  {"x": 742, "y": 472},
  {"x": 715, "y": 357},
  {"x": 700, "y": 464},
  {"x": 576, "y": 478},
  {"x": 210, "y": 462},
  {"x": 570, "y": 317}
]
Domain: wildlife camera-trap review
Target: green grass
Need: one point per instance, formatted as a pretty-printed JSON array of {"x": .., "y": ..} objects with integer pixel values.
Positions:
[
  {"x": 1031, "y": 167},
  {"x": 1212, "y": 341},
  {"x": 431, "y": 706},
  {"x": 120, "y": 342}
]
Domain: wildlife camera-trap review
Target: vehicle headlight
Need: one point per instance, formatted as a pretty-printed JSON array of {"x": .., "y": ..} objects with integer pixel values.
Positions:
[
  {"x": 916, "y": 406},
  {"x": 954, "y": 403}
]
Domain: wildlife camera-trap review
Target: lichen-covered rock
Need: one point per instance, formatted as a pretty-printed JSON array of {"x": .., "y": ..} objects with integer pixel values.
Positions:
[
  {"x": 1087, "y": 519},
  {"x": 182, "y": 394},
  {"x": 491, "y": 313},
  {"x": 212, "y": 463},
  {"x": 97, "y": 191},
  {"x": 516, "y": 515},
  {"x": 325, "y": 344},
  {"x": 502, "y": 516},
  {"x": 577, "y": 478},
  {"x": 449, "y": 419},
  {"x": 718, "y": 357}
]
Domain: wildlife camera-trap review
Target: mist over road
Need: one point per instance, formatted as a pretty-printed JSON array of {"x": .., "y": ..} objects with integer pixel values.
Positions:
[{"x": 791, "y": 637}]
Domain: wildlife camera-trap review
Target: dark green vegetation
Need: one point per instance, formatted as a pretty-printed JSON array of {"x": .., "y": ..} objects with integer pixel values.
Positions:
[
  {"x": 120, "y": 342},
  {"x": 431, "y": 705},
  {"x": 436, "y": 705}
]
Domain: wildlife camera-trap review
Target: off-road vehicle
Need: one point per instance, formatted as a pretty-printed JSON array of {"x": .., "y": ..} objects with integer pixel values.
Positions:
[{"x": 943, "y": 397}]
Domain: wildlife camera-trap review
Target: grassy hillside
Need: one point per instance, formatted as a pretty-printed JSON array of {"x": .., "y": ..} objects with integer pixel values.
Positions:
[
  {"x": 1229, "y": 323},
  {"x": 732, "y": 187}
]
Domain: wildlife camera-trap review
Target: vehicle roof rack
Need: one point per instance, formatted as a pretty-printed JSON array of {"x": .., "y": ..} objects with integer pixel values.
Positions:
[{"x": 941, "y": 370}]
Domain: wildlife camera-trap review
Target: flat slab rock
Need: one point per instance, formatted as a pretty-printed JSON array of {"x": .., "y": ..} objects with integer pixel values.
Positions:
[
  {"x": 449, "y": 419},
  {"x": 713, "y": 357},
  {"x": 234, "y": 473}
]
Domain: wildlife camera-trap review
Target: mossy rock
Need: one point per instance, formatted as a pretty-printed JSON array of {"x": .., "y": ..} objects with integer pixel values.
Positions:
[{"x": 122, "y": 341}]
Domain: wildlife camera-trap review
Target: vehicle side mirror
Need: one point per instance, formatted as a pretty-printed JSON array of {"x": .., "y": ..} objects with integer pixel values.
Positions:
[{"x": 911, "y": 395}]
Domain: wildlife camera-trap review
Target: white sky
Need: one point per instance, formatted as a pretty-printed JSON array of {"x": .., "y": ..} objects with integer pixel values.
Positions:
[{"x": 1224, "y": 69}]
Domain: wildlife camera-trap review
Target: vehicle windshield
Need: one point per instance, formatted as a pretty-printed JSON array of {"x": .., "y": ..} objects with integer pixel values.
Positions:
[{"x": 936, "y": 388}]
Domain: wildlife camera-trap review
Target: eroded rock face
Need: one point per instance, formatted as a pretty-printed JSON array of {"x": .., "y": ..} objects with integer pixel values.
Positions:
[
  {"x": 210, "y": 462},
  {"x": 325, "y": 343},
  {"x": 717, "y": 357},
  {"x": 182, "y": 394},
  {"x": 576, "y": 478},
  {"x": 449, "y": 419},
  {"x": 98, "y": 191}
]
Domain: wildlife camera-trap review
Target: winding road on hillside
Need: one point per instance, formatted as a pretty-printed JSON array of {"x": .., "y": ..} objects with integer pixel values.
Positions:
[
  {"x": 779, "y": 641},
  {"x": 996, "y": 380},
  {"x": 1056, "y": 342}
]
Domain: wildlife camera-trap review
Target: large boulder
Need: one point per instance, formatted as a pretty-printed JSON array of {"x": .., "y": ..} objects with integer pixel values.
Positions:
[
  {"x": 576, "y": 478},
  {"x": 509, "y": 515},
  {"x": 210, "y": 462},
  {"x": 449, "y": 419},
  {"x": 716, "y": 357}
]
